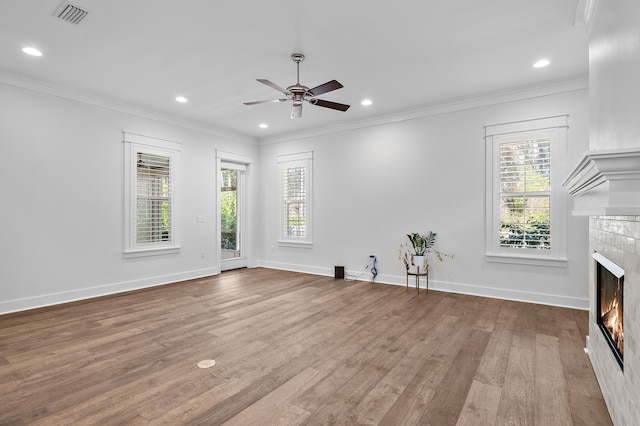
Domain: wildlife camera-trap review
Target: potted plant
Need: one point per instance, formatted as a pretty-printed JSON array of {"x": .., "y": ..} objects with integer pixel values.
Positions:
[{"x": 414, "y": 254}]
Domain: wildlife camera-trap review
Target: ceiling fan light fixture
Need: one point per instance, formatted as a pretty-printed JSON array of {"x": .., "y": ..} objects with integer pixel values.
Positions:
[
  {"x": 263, "y": 125},
  {"x": 181, "y": 99},
  {"x": 366, "y": 102}
]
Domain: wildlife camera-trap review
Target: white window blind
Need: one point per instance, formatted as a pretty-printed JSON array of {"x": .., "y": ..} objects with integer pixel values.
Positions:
[
  {"x": 154, "y": 189},
  {"x": 295, "y": 197},
  {"x": 151, "y": 203}
]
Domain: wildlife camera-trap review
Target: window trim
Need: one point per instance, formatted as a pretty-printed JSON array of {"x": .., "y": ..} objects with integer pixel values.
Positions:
[
  {"x": 306, "y": 159},
  {"x": 554, "y": 128},
  {"x": 133, "y": 144}
]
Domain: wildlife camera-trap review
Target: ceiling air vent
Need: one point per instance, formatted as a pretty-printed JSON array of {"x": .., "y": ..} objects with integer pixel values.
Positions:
[{"x": 70, "y": 12}]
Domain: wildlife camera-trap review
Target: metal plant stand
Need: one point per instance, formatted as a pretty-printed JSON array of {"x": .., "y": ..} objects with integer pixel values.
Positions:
[{"x": 418, "y": 274}]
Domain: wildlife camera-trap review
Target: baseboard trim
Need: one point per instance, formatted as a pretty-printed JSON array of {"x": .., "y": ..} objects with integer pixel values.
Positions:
[
  {"x": 505, "y": 294},
  {"x": 114, "y": 288},
  {"x": 103, "y": 290},
  {"x": 315, "y": 270},
  {"x": 461, "y": 288}
]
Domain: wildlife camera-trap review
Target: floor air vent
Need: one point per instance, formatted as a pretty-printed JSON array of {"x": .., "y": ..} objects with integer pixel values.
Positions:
[{"x": 70, "y": 12}]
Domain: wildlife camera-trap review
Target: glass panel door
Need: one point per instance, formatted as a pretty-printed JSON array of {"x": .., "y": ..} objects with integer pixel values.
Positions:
[{"x": 231, "y": 207}]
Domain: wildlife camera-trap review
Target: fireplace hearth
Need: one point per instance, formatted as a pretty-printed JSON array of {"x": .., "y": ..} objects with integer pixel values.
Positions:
[{"x": 609, "y": 289}]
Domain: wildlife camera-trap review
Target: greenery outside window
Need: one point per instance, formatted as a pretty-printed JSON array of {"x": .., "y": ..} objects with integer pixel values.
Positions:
[
  {"x": 151, "y": 170},
  {"x": 229, "y": 210},
  {"x": 525, "y": 194},
  {"x": 526, "y": 207}
]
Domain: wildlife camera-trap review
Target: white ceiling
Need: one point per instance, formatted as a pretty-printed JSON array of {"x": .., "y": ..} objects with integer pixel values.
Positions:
[{"x": 403, "y": 54}]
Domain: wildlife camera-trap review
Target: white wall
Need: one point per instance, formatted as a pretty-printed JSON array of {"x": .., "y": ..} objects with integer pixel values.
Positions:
[
  {"x": 374, "y": 185},
  {"x": 62, "y": 181},
  {"x": 614, "y": 64},
  {"x": 614, "y": 67},
  {"x": 62, "y": 185}
]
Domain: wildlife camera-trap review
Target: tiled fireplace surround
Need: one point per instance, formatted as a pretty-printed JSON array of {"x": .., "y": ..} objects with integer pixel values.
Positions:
[
  {"x": 606, "y": 187},
  {"x": 618, "y": 239}
]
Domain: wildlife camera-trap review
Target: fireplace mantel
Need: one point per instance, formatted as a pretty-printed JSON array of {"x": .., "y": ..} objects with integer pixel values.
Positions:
[{"x": 606, "y": 183}]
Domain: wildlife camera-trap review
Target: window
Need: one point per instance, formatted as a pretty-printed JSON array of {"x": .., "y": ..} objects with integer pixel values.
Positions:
[
  {"x": 525, "y": 194},
  {"x": 526, "y": 207},
  {"x": 151, "y": 170},
  {"x": 229, "y": 210},
  {"x": 295, "y": 196}
]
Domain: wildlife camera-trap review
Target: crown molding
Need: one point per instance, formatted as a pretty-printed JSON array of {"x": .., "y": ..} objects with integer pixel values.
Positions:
[
  {"x": 579, "y": 82},
  {"x": 25, "y": 82},
  {"x": 573, "y": 83}
]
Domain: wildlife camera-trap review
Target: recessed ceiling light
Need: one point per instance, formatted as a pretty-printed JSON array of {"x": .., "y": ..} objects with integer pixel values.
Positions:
[
  {"x": 541, "y": 63},
  {"x": 32, "y": 51},
  {"x": 263, "y": 125},
  {"x": 181, "y": 99},
  {"x": 366, "y": 102}
]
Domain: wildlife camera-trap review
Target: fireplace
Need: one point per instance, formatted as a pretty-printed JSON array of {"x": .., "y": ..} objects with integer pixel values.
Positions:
[{"x": 609, "y": 290}]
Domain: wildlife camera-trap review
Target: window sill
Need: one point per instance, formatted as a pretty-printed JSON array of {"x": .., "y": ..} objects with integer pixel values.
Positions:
[
  {"x": 156, "y": 251},
  {"x": 297, "y": 244},
  {"x": 518, "y": 259}
]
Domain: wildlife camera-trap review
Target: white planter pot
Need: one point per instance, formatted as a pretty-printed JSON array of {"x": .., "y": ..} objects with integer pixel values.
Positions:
[{"x": 417, "y": 261}]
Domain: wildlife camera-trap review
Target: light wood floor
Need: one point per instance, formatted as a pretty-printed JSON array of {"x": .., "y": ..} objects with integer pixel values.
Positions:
[{"x": 291, "y": 349}]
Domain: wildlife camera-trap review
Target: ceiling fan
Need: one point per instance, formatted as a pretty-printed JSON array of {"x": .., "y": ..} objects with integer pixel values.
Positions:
[{"x": 299, "y": 93}]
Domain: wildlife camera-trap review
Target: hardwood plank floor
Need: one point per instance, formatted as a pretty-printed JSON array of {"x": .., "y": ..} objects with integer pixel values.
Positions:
[{"x": 291, "y": 349}]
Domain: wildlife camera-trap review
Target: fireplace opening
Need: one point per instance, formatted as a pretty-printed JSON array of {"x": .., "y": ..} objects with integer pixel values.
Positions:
[{"x": 609, "y": 287}]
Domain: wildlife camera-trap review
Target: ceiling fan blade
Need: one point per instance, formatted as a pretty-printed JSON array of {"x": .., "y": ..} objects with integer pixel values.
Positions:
[
  {"x": 332, "y": 105},
  {"x": 326, "y": 87},
  {"x": 264, "y": 102},
  {"x": 296, "y": 110},
  {"x": 271, "y": 84}
]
